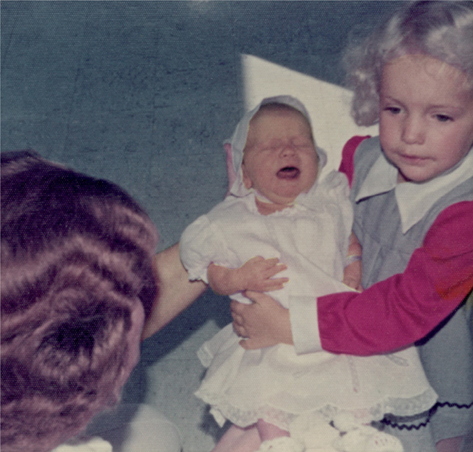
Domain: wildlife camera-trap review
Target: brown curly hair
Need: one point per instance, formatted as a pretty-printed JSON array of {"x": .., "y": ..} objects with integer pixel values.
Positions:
[{"x": 76, "y": 280}]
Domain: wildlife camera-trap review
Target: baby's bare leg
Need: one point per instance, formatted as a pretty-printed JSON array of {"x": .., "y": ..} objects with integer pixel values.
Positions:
[
  {"x": 238, "y": 439},
  {"x": 269, "y": 431},
  {"x": 450, "y": 444}
]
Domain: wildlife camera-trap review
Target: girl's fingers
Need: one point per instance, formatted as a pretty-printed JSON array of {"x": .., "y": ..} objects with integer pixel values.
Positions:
[
  {"x": 237, "y": 319},
  {"x": 246, "y": 344},
  {"x": 235, "y": 308},
  {"x": 239, "y": 329}
]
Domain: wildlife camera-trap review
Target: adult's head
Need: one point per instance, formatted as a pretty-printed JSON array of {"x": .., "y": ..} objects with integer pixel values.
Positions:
[
  {"x": 439, "y": 29},
  {"x": 76, "y": 285}
]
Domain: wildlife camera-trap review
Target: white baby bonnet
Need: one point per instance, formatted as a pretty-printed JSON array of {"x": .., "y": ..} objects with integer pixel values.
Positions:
[{"x": 236, "y": 144}]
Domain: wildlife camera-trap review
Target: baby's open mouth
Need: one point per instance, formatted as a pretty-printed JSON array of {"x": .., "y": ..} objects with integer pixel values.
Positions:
[{"x": 288, "y": 172}]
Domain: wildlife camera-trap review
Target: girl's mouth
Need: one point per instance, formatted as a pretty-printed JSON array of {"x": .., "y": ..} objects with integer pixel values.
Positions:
[
  {"x": 412, "y": 159},
  {"x": 288, "y": 172}
]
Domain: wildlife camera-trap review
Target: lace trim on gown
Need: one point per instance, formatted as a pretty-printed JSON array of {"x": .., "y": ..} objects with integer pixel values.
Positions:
[{"x": 222, "y": 410}]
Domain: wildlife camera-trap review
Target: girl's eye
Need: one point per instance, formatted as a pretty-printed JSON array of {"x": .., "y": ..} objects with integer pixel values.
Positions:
[
  {"x": 393, "y": 110},
  {"x": 443, "y": 118}
]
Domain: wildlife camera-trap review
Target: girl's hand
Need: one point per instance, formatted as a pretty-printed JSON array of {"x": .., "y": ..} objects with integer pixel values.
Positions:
[
  {"x": 263, "y": 323},
  {"x": 256, "y": 274}
]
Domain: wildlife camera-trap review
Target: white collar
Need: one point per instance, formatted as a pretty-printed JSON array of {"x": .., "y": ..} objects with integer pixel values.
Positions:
[
  {"x": 414, "y": 200},
  {"x": 303, "y": 200}
]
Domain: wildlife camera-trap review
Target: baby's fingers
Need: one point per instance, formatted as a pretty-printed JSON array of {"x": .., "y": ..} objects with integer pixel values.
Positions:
[
  {"x": 271, "y": 262},
  {"x": 274, "y": 269},
  {"x": 274, "y": 284},
  {"x": 253, "y": 344}
]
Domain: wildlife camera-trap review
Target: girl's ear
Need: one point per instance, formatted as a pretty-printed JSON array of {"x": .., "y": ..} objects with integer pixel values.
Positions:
[{"x": 247, "y": 182}]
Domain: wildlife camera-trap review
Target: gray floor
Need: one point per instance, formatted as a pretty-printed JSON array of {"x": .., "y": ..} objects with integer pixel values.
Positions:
[{"x": 143, "y": 94}]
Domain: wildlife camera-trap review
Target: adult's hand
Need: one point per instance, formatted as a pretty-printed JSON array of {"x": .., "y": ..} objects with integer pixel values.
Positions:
[{"x": 263, "y": 323}]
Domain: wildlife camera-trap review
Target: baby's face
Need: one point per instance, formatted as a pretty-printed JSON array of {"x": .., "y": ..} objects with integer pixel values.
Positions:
[{"x": 280, "y": 160}]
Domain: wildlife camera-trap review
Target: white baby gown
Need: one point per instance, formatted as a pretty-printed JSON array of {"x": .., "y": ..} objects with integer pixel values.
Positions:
[{"x": 275, "y": 383}]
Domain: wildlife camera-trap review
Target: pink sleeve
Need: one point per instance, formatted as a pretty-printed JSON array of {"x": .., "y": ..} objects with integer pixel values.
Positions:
[
  {"x": 404, "y": 308},
  {"x": 347, "y": 166}
]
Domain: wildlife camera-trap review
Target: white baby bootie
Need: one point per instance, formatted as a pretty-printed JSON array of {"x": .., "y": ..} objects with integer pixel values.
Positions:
[
  {"x": 315, "y": 432},
  {"x": 346, "y": 421},
  {"x": 282, "y": 444},
  {"x": 368, "y": 439},
  {"x": 383, "y": 442},
  {"x": 358, "y": 437}
]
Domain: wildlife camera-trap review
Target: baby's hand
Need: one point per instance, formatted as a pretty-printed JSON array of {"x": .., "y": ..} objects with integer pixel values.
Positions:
[
  {"x": 354, "y": 284},
  {"x": 257, "y": 275},
  {"x": 352, "y": 276}
]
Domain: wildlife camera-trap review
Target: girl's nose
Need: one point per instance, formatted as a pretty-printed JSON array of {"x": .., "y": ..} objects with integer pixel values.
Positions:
[{"x": 413, "y": 131}]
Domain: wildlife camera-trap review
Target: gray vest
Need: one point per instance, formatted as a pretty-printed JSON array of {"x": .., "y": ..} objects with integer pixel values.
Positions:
[{"x": 447, "y": 353}]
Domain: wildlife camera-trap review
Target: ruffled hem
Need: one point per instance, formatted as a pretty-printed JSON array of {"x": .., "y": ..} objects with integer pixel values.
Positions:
[{"x": 223, "y": 410}]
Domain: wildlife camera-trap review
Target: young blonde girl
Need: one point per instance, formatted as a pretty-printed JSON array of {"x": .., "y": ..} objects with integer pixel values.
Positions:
[{"x": 412, "y": 188}]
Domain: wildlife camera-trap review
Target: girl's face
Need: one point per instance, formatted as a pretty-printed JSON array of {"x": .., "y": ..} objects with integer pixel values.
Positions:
[
  {"x": 426, "y": 116},
  {"x": 280, "y": 160}
]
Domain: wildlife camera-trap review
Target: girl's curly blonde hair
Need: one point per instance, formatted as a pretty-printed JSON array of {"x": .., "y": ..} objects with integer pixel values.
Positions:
[{"x": 440, "y": 29}]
